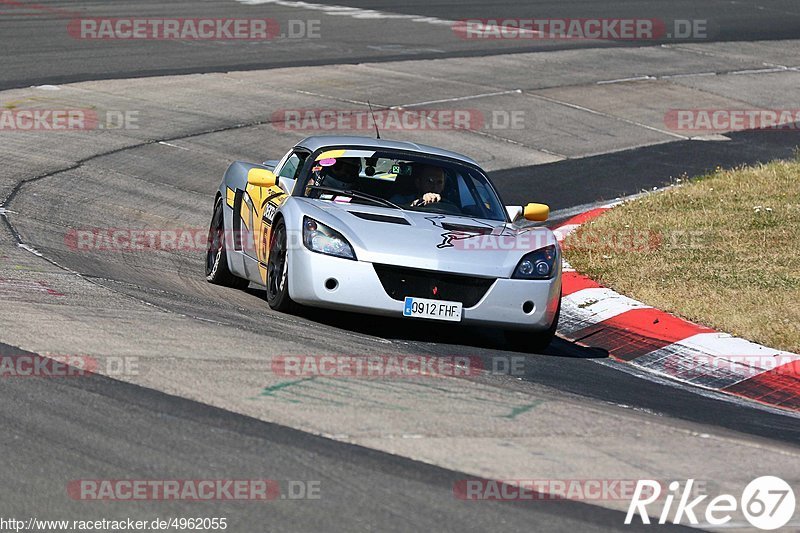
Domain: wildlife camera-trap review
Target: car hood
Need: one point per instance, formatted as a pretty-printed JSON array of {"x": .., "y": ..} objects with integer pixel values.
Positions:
[{"x": 430, "y": 241}]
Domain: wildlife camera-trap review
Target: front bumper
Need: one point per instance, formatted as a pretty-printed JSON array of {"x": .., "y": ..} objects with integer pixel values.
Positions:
[{"x": 359, "y": 289}]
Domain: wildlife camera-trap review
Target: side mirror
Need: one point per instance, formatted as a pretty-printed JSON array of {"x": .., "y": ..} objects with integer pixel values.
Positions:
[
  {"x": 537, "y": 212},
  {"x": 514, "y": 212},
  {"x": 260, "y": 177},
  {"x": 287, "y": 185}
]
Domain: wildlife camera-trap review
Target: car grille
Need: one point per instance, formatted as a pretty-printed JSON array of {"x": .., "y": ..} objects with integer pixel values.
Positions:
[{"x": 400, "y": 282}]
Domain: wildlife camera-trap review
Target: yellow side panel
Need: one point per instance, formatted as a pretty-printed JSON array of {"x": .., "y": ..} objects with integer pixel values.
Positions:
[{"x": 261, "y": 240}]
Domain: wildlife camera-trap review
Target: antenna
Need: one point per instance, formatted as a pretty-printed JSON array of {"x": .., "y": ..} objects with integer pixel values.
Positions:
[{"x": 375, "y": 122}]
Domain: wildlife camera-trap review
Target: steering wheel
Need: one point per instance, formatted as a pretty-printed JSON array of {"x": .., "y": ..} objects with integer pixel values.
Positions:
[{"x": 444, "y": 206}]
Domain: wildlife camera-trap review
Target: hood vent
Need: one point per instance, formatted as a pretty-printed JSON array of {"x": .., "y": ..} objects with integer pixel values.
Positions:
[
  {"x": 381, "y": 218},
  {"x": 480, "y": 230}
]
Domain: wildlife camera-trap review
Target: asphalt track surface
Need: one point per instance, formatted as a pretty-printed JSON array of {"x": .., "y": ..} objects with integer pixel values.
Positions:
[
  {"x": 61, "y": 429},
  {"x": 89, "y": 424},
  {"x": 37, "y": 48},
  {"x": 563, "y": 182}
]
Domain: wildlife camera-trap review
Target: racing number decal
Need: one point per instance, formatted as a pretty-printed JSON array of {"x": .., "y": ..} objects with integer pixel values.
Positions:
[{"x": 269, "y": 212}]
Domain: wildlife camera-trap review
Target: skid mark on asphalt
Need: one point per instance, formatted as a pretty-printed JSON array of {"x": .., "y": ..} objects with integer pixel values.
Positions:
[
  {"x": 19, "y": 288},
  {"x": 405, "y": 396}
]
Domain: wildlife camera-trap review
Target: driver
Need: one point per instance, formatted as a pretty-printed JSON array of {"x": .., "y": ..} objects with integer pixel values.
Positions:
[
  {"x": 341, "y": 175},
  {"x": 429, "y": 181}
]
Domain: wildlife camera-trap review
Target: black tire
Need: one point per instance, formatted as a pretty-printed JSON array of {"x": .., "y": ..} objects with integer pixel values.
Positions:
[
  {"x": 217, "y": 270},
  {"x": 533, "y": 341},
  {"x": 278, "y": 271}
]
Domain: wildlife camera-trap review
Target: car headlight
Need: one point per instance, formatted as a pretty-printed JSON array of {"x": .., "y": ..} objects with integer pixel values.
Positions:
[
  {"x": 540, "y": 264},
  {"x": 321, "y": 239}
]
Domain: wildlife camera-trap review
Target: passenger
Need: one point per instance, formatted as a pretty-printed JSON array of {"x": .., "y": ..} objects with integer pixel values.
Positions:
[{"x": 429, "y": 181}]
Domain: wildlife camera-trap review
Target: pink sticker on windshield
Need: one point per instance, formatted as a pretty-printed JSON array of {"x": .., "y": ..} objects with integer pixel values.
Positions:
[{"x": 328, "y": 162}]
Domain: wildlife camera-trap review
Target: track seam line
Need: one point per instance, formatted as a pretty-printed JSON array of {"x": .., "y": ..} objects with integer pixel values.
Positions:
[
  {"x": 461, "y": 98},
  {"x": 470, "y": 131},
  {"x": 607, "y": 115}
]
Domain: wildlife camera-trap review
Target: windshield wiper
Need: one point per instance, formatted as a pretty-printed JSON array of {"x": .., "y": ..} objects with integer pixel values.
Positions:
[{"x": 357, "y": 194}]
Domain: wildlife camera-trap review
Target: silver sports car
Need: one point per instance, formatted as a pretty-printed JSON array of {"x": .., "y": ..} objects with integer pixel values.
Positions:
[{"x": 387, "y": 228}]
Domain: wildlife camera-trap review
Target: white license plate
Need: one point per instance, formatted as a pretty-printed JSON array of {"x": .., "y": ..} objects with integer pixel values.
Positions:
[{"x": 433, "y": 309}]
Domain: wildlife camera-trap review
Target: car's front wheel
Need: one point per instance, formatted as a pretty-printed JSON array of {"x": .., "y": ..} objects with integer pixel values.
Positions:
[
  {"x": 533, "y": 341},
  {"x": 278, "y": 270},
  {"x": 217, "y": 270}
]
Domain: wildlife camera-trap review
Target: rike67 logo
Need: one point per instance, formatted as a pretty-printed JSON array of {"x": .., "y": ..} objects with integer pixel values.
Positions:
[{"x": 767, "y": 503}]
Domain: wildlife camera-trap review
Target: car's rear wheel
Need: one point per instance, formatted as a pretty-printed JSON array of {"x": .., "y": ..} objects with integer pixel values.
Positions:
[
  {"x": 278, "y": 270},
  {"x": 217, "y": 270},
  {"x": 533, "y": 341}
]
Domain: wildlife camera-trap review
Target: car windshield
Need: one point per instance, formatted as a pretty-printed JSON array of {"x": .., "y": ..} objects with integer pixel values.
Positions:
[{"x": 400, "y": 180}]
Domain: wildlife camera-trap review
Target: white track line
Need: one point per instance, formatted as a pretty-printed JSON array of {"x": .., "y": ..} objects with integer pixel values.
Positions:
[
  {"x": 372, "y": 14},
  {"x": 353, "y": 12},
  {"x": 607, "y": 115},
  {"x": 459, "y": 98}
]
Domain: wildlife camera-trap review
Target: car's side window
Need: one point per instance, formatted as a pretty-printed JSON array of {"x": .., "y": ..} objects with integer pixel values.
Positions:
[
  {"x": 483, "y": 193},
  {"x": 464, "y": 194},
  {"x": 289, "y": 167},
  {"x": 474, "y": 196},
  {"x": 292, "y": 166}
]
